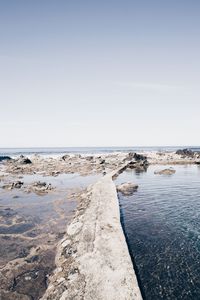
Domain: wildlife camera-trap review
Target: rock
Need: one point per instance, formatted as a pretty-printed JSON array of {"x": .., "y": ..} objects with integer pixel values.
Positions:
[
  {"x": 24, "y": 160},
  {"x": 102, "y": 161},
  {"x": 139, "y": 157},
  {"x": 197, "y": 162},
  {"x": 39, "y": 184},
  {"x": 89, "y": 158},
  {"x": 185, "y": 152},
  {"x": 165, "y": 172},
  {"x": 65, "y": 157},
  {"x": 127, "y": 189},
  {"x": 17, "y": 185},
  {"x": 138, "y": 164},
  {"x": 2, "y": 158},
  {"x": 55, "y": 173}
]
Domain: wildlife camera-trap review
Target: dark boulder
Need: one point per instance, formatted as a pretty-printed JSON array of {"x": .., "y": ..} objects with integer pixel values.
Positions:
[
  {"x": 65, "y": 157},
  {"x": 185, "y": 152},
  {"x": 102, "y": 161},
  {"x": 24, "y": 160},
  {"x": 2, "y": 158},
  {"x": 139, "y": 157}
]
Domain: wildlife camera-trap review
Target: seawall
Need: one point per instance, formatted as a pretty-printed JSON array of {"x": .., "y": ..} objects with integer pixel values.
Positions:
[{"x": 93, "y": 261}]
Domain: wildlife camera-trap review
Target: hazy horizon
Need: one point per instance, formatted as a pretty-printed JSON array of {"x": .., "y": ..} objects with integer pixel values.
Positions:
[{"x": 102, "y": 74}]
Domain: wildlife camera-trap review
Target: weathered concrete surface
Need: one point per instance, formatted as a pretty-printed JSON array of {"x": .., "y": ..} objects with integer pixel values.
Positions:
[{"x": 93, "y": 261}]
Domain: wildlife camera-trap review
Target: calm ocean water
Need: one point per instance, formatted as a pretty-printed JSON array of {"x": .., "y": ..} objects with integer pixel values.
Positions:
[
  {"x": 162, "y": 225},
  {"x": 84, "y": 150}
]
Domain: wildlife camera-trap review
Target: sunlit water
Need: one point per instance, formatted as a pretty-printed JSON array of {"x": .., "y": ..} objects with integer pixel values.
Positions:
[{"x": 162, "y": 225}]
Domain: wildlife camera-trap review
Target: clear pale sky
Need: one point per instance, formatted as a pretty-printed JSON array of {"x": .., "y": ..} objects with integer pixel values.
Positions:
[{"x": 99, "y": 73}]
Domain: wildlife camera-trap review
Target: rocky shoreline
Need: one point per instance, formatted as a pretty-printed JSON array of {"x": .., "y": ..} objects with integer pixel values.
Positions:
[{"x": 89, "y": 246}]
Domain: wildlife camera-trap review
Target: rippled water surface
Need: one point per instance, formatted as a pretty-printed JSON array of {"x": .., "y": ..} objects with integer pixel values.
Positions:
[{"x": 162, "y": 224}]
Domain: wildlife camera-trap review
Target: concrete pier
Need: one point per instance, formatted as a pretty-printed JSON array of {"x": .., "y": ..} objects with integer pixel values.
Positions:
[{"x": 93, "y": 262}]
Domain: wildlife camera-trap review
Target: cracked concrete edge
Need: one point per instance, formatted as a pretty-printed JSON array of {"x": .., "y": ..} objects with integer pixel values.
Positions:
[{"x": 92, "y": 260}]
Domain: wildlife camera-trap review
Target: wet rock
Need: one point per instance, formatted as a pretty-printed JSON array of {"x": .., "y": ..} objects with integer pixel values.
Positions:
[
  {"x": 55, "y": 173},
  {"x": 139, "y": 157},
  {"x": 40, "y": 187},
  {"x": 17, "y": 185},
  {"x": 3, "y": 158},
  {"x": 143, "y": 164},
  {"x": 169, "y": 171},
  {"x": 13, "y": 185},
  {"x": 185, "y": 152},
  {"x": 40, "y": 184},
  {"x": 127, "y": 189}
]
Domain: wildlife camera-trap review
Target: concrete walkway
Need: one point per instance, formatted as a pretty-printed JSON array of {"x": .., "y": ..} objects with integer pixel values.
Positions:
[{"x": 93, "y": 262}]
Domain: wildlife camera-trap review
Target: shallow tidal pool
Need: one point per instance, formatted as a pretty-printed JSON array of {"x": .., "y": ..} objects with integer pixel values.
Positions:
[
  {"x": 31, "y": 225},
  {"x": 161, "y": 222}
]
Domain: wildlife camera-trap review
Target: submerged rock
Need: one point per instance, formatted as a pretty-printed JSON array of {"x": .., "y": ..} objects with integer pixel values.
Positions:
[
  {"x": 40, "y": 187},
  {"x": 127, "y": 189},
  {"x": 165, "y": 172},
  {"x": 13, "y": 185},
  {"x": 18, "y": 184}
]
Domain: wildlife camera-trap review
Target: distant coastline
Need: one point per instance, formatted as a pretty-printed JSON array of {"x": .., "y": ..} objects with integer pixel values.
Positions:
[{"x": 88, "y": 150}]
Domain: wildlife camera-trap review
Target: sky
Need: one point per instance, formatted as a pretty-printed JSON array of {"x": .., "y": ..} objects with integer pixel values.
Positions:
[{"x": 99, "y": 73}]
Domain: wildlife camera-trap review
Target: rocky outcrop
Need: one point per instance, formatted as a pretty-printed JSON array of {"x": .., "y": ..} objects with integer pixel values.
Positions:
[
  {"x": 185, "y": 152},
  {"x": 169, "y": 171},
  {"x": 3, "y": 158},
  {"x": 139, "y": 157},
  {"x": 93, "y": 261},
  {"x": 127, "y": 189}
]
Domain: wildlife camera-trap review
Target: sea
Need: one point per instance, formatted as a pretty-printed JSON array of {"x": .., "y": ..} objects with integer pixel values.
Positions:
[
  {"x": 161, "y": 221},
  {"x": 87, "y": 150}
]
